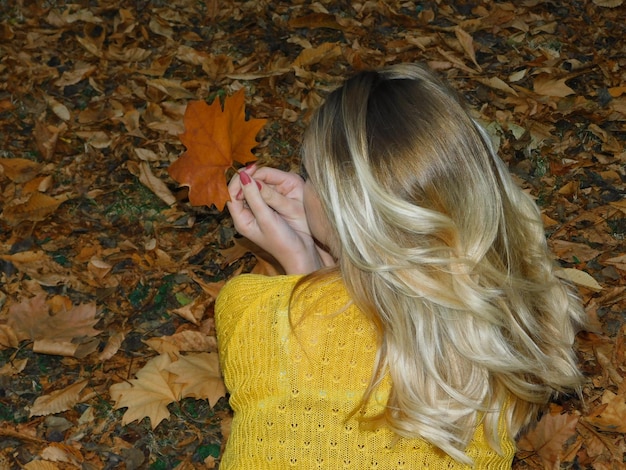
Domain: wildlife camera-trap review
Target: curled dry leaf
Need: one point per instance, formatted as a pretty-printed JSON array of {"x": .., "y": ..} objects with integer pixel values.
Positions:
[
  {"x": 214, "y": 138},
  {"x": 158, "y": 187},
  {"x": 59, "y": 400},
  {"x": 13, "y": 367},
  {"x": 112, "y": 346}
]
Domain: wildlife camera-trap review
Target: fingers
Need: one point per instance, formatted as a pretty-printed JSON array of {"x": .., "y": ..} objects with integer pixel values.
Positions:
[
  {"x": 251, "y": 190},
  {"x": 287, "y": 184}
]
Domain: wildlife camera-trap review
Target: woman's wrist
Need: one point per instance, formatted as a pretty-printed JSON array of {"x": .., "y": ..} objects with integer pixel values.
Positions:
[{"x": 303, "y": 262}]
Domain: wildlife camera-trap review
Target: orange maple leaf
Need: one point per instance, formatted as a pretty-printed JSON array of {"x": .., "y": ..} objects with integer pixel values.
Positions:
[{"x": 214, "y": 138}]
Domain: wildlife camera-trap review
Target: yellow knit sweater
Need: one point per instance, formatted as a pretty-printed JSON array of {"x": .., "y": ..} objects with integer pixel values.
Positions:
[{"x": 292, "y": 389}]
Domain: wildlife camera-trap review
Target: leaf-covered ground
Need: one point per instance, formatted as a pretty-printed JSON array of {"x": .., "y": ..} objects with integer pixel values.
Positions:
[{"x": 104, "y": 264}]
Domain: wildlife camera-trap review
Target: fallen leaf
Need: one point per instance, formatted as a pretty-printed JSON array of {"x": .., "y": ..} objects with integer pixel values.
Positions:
[
  {"x": 112, "y": 346},
  {"x": 8, "y": 337},
  {"x": 13, "y": 367},
  {"x": 30, "y": 319},
  {"x": 579, "y": 277},
  {"x": 40, "y": 465},
  {"x": 549, "y": 436},
  {"x": 314, "y": 55},
  {"x": 144, "y": 173},
  {"x": 546, "y": 85},
  {"x": 467, "y": 43},
  {"x": 19, "y": 170},
  {"x": 149, "y": 394},
  {"x": 35, "y": 209},
  {"x": 59, "y": 400},
  {"x": 187, "y": 340},
  {"x": 214, "y": 138},
  {"x": 609, "y": 3},
  {"x": 200, "y": 376},
  {"x": 612, "y": 417}
]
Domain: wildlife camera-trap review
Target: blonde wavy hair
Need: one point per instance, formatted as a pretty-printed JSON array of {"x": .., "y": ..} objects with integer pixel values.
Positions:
[{"x": 447, "y": 256}]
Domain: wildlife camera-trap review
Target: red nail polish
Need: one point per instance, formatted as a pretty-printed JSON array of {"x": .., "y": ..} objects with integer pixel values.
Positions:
[
  {"x": 249, "y": 166},
  {"x": 258, "y": 185},
  {"x": 239, "y": 194},
  {"x": 245, "y": 178}
]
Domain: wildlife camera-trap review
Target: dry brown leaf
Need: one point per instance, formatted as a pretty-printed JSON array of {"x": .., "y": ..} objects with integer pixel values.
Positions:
[
  {"x": 580, "y": 278},
  {"x": 187, "y": 340},
  {"x": 573, "y": 252},
  {"x": 13, "y": 367},
  {"x": 215, "y": 138},
  {"x": 545, "y": 84},
  {"x": 612, "y": 417},
  {"x": 40, "y": 267},
  {"x": 8, "y": 337},
  {"x": 549, "y": 436},
  {"x": 157, "y": 186},
  {"x": 194, "y": 311},
  {"x": 40, "y": 465},
  {"x": 200, "y": 376},
  {"x": 149, "y": 394},
  {"x": 171, "y": 88},
  {"x": 58, "y": 108},
  {"x": 36, "y": 208},
  {"x": 497, "y": 84},
  {"x": 609, "y": 3},
  {"x": 315, "y": 55},
  {"x": 61, "y": 452},
  {"x": 59, "y": 400},
  {"x": 78, "y": 349},
  {"x": 19, "y": 170},
  {"x": 46, "y": 137},
  {"x": 112, "y": 346},
  {"x": 467, "y": 43},
  {"x": 30, "y": 319}
]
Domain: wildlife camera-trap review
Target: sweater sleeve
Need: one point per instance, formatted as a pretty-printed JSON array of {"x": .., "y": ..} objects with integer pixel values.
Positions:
[{"x": 239, "y": 302}]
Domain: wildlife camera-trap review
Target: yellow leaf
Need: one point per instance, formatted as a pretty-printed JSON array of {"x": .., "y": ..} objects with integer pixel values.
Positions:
[
  {"x": 200, "y": 376},
  {"x": 57, "y": 401},
  {"x": 149, "y": 394}
]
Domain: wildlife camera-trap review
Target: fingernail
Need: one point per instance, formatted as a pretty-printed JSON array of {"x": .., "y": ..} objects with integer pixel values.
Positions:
[
  {"x": 248, "y": 167},
  {"x": 245, "y": 178},
  {"x": 239, "y": 194},
  {"x": 258, "y": 185}
]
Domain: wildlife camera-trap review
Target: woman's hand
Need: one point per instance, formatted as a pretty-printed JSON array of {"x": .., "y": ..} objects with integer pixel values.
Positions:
[{"x": 266, "y": 207}]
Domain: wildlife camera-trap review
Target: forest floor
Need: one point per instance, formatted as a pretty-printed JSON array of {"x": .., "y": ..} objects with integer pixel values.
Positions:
[{"x": 104, "y": 264}]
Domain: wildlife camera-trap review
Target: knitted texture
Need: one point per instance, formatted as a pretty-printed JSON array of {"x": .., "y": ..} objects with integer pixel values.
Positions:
[{"x": 293, "y": 385}]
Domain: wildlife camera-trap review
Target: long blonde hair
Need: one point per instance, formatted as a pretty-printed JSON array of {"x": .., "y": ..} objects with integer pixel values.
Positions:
[{"x": 445, "y": 254}]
